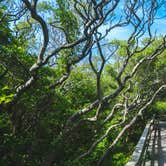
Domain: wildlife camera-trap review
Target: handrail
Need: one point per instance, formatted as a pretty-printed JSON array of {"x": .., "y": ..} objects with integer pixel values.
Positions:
[
  {"x": 137, "y": 155},
  {"x": 161, "y": 117}
]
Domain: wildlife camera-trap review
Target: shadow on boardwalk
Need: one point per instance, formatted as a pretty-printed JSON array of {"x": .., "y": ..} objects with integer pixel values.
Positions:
[{"x": 157, "y": 146}]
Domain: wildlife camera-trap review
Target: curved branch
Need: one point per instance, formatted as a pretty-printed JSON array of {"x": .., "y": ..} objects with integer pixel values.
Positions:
[{"x": 126, "y": 127}]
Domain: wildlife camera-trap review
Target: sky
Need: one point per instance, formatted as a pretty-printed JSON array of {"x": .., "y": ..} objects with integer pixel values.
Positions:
[{"x": 123, "y": 33}]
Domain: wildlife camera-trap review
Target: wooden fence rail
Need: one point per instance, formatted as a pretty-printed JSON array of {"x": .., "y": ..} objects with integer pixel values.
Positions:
[{"x": 138, "y": 156}]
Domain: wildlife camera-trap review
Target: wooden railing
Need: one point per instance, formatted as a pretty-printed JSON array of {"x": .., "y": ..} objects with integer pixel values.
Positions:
[
  {"x": 161, "y": 117},
  {"x": 139, "y": 155}
]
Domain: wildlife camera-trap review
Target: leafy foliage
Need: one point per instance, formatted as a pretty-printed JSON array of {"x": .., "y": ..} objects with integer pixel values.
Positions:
[{"x": 33, "y": 130}]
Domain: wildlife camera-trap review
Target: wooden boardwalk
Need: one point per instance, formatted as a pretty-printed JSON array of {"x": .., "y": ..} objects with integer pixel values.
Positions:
[{"x": 157, "y": 146}]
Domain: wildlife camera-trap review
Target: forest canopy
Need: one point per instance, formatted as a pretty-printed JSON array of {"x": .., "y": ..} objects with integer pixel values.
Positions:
[{"x": 79, "y": 79}]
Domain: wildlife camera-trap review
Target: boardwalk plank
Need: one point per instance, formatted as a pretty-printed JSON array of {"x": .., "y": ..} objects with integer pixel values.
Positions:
[{"x": 157, "y": 146}]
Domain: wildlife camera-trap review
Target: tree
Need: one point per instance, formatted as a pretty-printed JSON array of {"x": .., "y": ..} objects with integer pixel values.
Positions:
[{"x": 63, "y": 35}]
